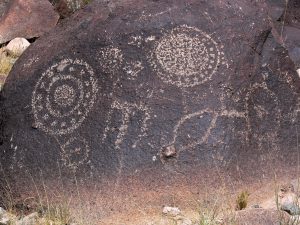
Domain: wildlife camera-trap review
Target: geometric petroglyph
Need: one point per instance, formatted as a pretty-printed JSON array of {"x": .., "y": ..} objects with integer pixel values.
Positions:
[
  {"x": 63, "y": 96},
  {"x": 110, "y": 59},
  {"x": 200, "y": 137},
  {"x": 75, "y": 152},
  {"x": 186, "y": 57}
]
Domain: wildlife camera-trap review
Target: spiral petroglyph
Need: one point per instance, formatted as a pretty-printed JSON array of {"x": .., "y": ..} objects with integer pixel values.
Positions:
[
  {"x": 75, "y": 152},
  {"x": 63, "y": 96},
  {"x": 186, "y": 57}
]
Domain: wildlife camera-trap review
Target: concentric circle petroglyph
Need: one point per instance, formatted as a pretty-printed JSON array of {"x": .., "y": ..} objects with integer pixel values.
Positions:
[
  {"x": 75, "y": 152},
  {"x": 186, "y": 56},
  {"x": 63, "y": 96}
]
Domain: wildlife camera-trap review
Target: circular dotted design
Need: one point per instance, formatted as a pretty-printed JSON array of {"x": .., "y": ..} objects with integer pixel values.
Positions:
[
  {"x": 186, "y": 57},
  {"x": 75, "y": 152},
  {"x": 110, "y": 59},
  {"x": 63, "y": 96}
]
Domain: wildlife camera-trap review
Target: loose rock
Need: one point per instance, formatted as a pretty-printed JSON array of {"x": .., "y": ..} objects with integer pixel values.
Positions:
[
  {"x": 258, "y": 217},
  {"x": 17, "y": 46},
  {"x": 6, "y": 218},
  {"x": 171, "y": 211},
  {"x": 288, "y": 199},
  {"x": 28, "y": 220}
]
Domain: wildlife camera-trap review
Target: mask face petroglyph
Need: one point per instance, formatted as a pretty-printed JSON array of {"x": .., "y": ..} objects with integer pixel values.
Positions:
[
  {"x": 186, "y": 57},
  {"x": 63, "y": 96}
]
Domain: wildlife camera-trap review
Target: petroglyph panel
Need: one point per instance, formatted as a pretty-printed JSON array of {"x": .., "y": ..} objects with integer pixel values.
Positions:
[
  {"x": 167, "y": 97},
  {"x": 63, "y": 96},
  {"x": 186, "y": 56}
]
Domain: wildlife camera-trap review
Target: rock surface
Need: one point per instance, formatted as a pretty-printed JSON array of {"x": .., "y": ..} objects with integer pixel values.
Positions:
[
  {"x": 27, "y": 18},
  {"x": 65, "y": 8},
  {"x": 288, "y": 200},
  {"x": 203, "y": 86},
  {"x": 261, "y": 217},
  {"x": 28, "y": 220},
  {"x": 3, "y": 6}
]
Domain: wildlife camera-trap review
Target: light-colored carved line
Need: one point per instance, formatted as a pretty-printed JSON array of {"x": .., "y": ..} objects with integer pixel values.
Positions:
[{"x": 247, "y": 98}]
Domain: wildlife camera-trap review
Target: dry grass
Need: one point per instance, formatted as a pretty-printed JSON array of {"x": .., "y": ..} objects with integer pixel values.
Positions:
[
  {"x": 6, "y": 64},
  {"x": 242, "y": 200}
]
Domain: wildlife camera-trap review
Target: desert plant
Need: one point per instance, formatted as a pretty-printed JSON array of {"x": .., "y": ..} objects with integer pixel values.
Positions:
[{"x": 242, "y": 200}]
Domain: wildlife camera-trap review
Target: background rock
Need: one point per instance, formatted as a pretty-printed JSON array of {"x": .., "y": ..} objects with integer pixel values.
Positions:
[
  {"x": 3, "y": 5},
  {"x": 67, "y": 7},
  {"x": 261, "y": 217},
  {"x": 27, "y": 18}
]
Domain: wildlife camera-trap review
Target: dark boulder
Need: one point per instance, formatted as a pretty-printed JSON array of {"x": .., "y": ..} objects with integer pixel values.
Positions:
[
  {"x": 146, "y": 100},
  {"x": 27, "y": 19}
]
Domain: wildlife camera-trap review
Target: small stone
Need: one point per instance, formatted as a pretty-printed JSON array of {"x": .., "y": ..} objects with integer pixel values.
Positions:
[
  {"x": 289, "y": 204},
  {"x": 257, "y": 217},
  {"x": 17, "y": 46},
  {"x": 28, "y": 220},
  {"x": 298, "y": 71},
  {"x": 169, "y": 151},
  {"x": 288, "y": 200},
  {"x": 6, "y": 218},
  {"x": 2, "y": 212},
  {"x": 256, "y": 206},
  {"x": 171, "y": 211},
  {"x": 185, "y": 221}
]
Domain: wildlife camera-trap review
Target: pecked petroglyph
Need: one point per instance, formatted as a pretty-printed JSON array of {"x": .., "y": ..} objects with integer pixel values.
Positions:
[
  {"x": 127, "y": 110},
  {"x": 186, "y": 57},
  {"x": 63, "y": 96},
  {"x": 136, "y": 41},
  {"x": 204, "y": 136},
  {"x": 75, "y": 153},
  {"x": 260, "y": 115},
  {"x": 133, "y": 69},
  {"x": 110, "y": 59}
]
